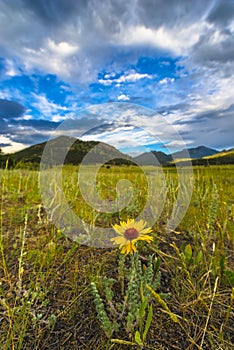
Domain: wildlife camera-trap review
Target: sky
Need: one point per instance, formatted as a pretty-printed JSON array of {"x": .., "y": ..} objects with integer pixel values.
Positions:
[{"x": 138, "y": 74}]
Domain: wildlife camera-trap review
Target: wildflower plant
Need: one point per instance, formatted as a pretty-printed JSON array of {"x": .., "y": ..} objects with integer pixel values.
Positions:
[
  {"x": 129, "y": 233},
  {"x": 124, "y": 303}
]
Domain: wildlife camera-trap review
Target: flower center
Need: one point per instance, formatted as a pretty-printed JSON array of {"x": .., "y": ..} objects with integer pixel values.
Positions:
[{"x": 131, "y": 233}]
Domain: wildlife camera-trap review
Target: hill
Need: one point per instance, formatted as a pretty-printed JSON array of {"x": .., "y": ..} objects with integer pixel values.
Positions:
[
  {"x": 223, "y": 157},
  {"x": 76, "y": 150},
  {"x": 147, "y": 158},
  {"x": 164, "y": 159},
  {"x": 75, "y": 153},
  {"x": 195, "y": 153}
]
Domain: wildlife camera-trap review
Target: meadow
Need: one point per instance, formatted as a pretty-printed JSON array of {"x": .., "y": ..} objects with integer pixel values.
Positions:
[{"x": 177, "y": 292}]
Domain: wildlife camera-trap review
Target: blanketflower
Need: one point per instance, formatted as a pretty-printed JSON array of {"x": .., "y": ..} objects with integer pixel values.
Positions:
[{"x": 129, "y": 233}]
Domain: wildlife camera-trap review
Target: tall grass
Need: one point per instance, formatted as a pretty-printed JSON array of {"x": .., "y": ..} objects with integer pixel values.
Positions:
[{"x": 45, "y": 295}]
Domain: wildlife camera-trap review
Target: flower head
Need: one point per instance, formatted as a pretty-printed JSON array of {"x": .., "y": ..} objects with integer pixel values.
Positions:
[{"x": 129, "y": 233}]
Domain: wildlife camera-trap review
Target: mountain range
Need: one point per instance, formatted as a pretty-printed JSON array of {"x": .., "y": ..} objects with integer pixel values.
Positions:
[{"x": 76, "y": 150}]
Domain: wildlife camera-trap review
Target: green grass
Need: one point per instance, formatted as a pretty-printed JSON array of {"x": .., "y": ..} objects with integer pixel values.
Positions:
[
  {"x": 221, "y": 154},
  {"x": 46, "y": 300}
]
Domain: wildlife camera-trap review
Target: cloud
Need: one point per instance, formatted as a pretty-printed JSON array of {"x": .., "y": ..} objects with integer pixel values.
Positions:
[
  {"x": 11, "y": 109},
  {"x": 166, "y": 81},
  {"x": 52, "y": 57},
  {"x": 217, "y": 46},
  {"x": 75, "y": 40},
  {"x": 128, "y": 77},
  {"x": 48, "y": 109},
  {"x": 18, "y": 130},
  {"x": 123, "y": 97},
  {"x": 222, "y": 13},
  {"x": 9, "y": 146},
  {"x": 163, "y": 38},
  {"x": 105, "y": 51}
]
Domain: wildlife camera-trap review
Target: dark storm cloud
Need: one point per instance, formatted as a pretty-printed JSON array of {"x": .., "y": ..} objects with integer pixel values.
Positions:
[
  {"x": 76, "y": 39},
  {"x": 220, "y": 50},
  {"x": 93, "y": 31},
  {"x": 29, "y": 132},
  {"x": 58, "y": 11},
  {"x": 210, "y": 117},
  {"x": 29, "y": 137},
  {"x": 216, "y": 45},
  {"x": 214, "y": 128},
  {"x": 113, "y": 13},
  {"x": 170, "y": 12},
  {"x": 17, "y": 129},
  {"x": 5, "y": 144},
  {"x": 173, "y": 108},
  {"x": 11, "y": 109},
  {"x": 12, "y": 122},
  {"x": 222, "y": 13}
]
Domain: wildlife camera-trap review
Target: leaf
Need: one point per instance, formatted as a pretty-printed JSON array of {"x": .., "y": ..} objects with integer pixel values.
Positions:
[
  {"x": 157, "y": 263},
  {"x": 222, "y": 264},
  {"x": 138, "y": 338},
  {"x": 199, "y": 257},
  {"x": 188, "y": 252},
  {"x": 124, "y": 342},
  {"x": 142, "y": 307},
  {"x": 230, "y": 277},
  {"x": 162, "y": 303},
  {"x": 172, "y": 315},
  {"x": 148, "y": 322}
]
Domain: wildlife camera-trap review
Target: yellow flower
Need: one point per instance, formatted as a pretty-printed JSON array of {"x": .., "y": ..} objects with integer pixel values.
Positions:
[{"x": 129, "y": 233}]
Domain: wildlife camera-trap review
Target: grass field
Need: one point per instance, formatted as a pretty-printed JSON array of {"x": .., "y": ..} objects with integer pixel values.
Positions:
[{"x": 46, "y": 296}]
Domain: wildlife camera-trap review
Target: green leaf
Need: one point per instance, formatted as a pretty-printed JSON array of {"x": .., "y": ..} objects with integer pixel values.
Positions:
[
  {"x": 148, "y": 322},
  {"x": 138, "y": 338},
  {"x": 142, "y": 307},
  {"x": 230, "y": 276},
  {"x": 199, "y": 257},
  {"x": 163, "y": 304},
  {"x": 188, "y": 252},
  {"x": 124, "y": 342},
  {"x": 222, "y": 264},
  {"x": 157, "y": 264}
]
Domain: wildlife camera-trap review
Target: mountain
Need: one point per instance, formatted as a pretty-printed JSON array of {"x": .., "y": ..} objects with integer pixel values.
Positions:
[
  {"x": 195, "y": 153},
  {"x": 220, "y": 158},
  {"x": 223, "y": 157},
  {"x": 74, "y": 149},
  {"x": 147, "y": 158},
  {"x": 163, "y": 159},
  {"x": 99, "y": 152}
]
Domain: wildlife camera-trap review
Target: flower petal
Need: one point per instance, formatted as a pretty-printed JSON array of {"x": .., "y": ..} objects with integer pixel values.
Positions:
[
  {"x": 146, "y": 238},
  {"x": 127, "y": 246},
  {"x": 119, "y": 240},
  {"x": 146, "y": 230},
  {"x": 120, "y": 230},
  {"x": 139, "y": 225}
]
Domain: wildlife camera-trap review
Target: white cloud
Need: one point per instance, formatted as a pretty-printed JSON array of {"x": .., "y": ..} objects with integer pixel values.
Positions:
[
  {"x": 51, "y": 57},
  {"x": 11, "y": 68},
  {"x": 25, "y": 117},
  {"x": 11, "y": 146},
  {"x": 166, "y": 81},
  {"x": 178, "y": 42},
  {"x": 128, "y": 77},
  {"x": 123, "y": 97},
  {"x": 47, "y": 108},
  {"x": 63, "y": 48}
]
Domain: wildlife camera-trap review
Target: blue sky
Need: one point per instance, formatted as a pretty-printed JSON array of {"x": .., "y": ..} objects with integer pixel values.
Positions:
[{"x": 166, "y": 68}]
